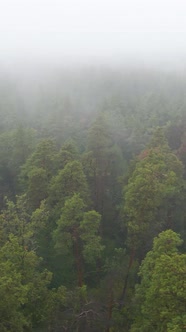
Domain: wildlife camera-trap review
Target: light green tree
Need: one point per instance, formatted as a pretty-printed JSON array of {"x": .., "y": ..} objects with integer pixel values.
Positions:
[
  {"x": 161, "y": 295},
  {"x": 23, "y": 288},
  {"x": 67, "y": 153},
  {"x": 70, "y": 180}
]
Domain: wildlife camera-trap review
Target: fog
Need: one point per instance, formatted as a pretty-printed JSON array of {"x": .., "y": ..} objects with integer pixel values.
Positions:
[{"x": 69, "y": 32}]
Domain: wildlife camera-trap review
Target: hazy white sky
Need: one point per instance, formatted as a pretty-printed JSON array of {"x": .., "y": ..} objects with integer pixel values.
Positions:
[{"x": 85, "y": 29}]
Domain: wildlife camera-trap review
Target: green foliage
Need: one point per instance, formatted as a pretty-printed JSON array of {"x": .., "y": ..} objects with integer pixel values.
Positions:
[
  {"x": 37, "y": 187},
  {"x": 89, "y": 228},
  {"x": 73, "y": 310},
  {"x": 99, "y": 136},
  {"x": 161, "y": 295},
  {"x": 102, "y": 164},
  {"x": 15, "y": 148},
  {"x": 43, "y": 158},
  {"x": 154, "y": 183},
  {"x": 15, "y": 220},
  {"x": 23, "y": 288},
  {"x": 68, "y": 224},
  {"x": 77, "y": 232},
  {"x": 69, "y": 181},
  {"x": 67, "y": 153},
  {"x": 41, "y": 230},
  {"x": 13, "y": 296}
]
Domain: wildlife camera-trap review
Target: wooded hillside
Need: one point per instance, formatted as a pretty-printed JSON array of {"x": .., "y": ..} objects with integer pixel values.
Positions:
[{"x": 92, "y": 201}]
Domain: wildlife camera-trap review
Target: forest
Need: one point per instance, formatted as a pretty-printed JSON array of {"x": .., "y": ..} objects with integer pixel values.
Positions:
[{"x": 92, "y": 200}]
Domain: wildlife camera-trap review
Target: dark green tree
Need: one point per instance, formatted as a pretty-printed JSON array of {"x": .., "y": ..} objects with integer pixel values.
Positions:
[
  {"x": 78, "y": 232},
  {"x": 153, "y": 187}
]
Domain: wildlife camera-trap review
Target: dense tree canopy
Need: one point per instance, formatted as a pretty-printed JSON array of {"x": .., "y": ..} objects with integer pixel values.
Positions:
[{"x": 92, "y": 202}]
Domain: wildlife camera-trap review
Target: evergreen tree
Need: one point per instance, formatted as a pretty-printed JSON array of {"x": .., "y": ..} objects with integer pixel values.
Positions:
[
  {"x": 161, "y": 295},
  {"x": 77, "y": 231}
]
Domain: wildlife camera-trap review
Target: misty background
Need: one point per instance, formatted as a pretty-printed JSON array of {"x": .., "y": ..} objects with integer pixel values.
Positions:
[
  {"x": 77, "y": 58},
  {"x": 93, "y": 32}
]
